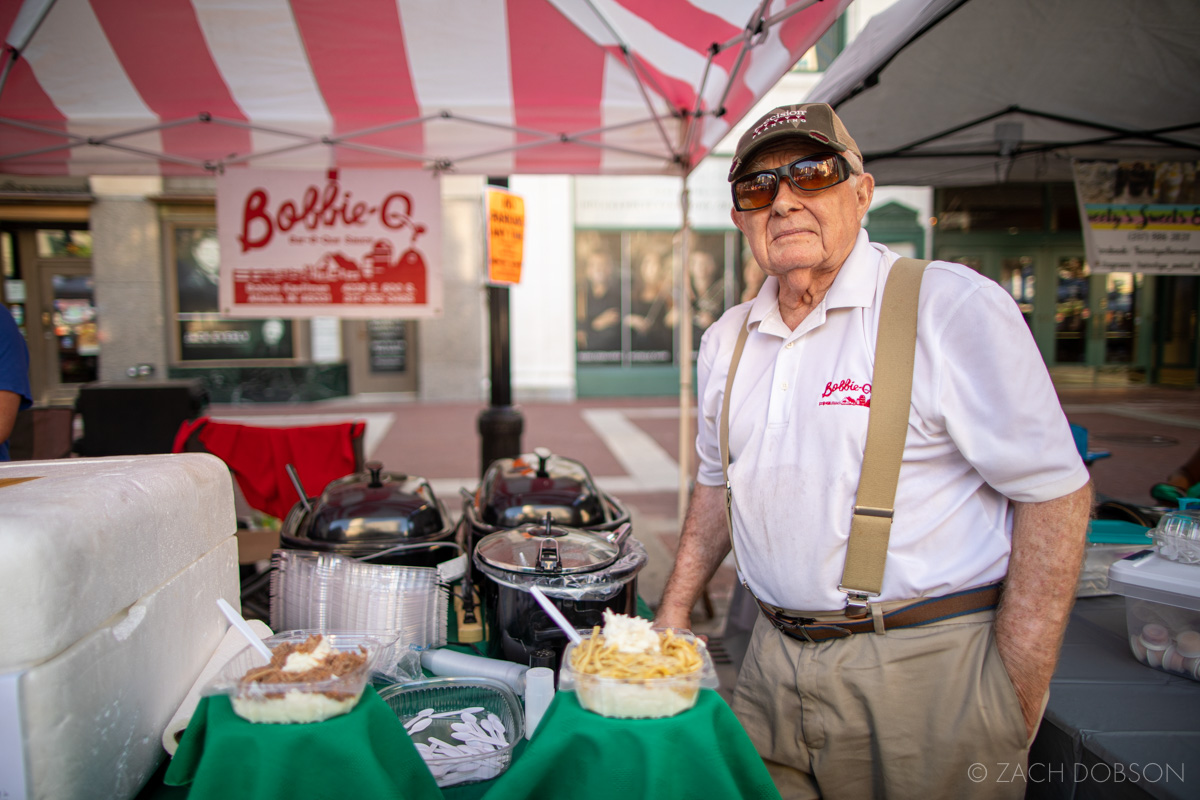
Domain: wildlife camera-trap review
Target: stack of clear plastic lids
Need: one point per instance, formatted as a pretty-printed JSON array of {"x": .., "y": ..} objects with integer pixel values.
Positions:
[
  {"x": 325, "y": 591},
  {"x": 1177, "y": 536}
]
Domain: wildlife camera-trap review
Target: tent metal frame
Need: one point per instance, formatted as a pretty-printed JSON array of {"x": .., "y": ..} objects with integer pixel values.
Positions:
[{"x": 676, "y": 162}]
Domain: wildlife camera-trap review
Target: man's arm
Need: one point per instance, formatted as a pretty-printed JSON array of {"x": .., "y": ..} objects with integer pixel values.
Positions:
[
  {"x": 10, "y": 403},
  {"x": 702, "y": 546},
  {"x": 1048, "y": 541}
]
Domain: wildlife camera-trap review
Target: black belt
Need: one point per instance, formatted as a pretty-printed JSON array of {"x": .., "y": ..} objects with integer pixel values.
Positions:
[{"x": 921, "y": 612}]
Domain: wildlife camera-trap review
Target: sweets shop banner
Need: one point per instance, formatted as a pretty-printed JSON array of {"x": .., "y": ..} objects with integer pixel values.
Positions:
[
  {"x": 346, "y": 243},
  {"x": 1140, "y": 216}
]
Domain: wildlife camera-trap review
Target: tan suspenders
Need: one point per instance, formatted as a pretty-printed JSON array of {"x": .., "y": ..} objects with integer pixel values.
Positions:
[{"x": 887, "y": 426}]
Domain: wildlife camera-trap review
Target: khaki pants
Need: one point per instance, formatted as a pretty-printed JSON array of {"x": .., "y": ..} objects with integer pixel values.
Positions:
[{"x": 926, "y": 712}]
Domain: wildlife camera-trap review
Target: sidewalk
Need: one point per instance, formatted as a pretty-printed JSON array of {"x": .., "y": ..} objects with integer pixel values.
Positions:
[{"x": 631, "y": 447}]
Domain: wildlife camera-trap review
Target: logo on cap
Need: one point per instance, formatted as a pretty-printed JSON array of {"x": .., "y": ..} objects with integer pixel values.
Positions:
[{"x": 796, "y": 118}]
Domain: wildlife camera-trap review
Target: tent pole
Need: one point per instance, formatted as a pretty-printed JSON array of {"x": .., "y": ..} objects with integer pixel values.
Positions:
[{"x": 685, "y": 360}]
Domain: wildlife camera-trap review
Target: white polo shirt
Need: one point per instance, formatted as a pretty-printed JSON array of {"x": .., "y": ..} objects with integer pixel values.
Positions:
[{"x": 985, "y": 426}]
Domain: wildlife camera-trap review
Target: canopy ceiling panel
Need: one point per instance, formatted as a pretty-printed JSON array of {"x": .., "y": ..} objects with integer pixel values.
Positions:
[
  {"x": 960, "y": 92},
  {"x": 473, "y": 86}
]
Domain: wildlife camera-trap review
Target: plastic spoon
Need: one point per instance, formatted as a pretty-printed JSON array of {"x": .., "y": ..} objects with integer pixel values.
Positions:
[
  {"x": 555, "y": 615},
  {"x": 238, "y": 622}
]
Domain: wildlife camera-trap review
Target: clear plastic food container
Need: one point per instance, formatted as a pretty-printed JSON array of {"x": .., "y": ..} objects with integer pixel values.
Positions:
[
  {"x": 464, "y": 728},
  {"x": 1162, "y": 612},
  {"x": 302, "y": 701},
  {"x": 1178, "y": 536},
  {"x": 638, "y": 698}
]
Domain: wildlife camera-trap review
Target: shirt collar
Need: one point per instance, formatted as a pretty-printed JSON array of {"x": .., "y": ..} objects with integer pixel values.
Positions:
[{"x": 854, "y": 285}]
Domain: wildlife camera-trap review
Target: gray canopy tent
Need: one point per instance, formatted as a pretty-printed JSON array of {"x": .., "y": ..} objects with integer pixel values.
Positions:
[{"x": 971, "y": 92}]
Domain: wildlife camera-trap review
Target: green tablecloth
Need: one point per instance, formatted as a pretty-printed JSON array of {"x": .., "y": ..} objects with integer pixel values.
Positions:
[
  {"x": 703, "y": 752},
  {"x": 365, "y": 753}
]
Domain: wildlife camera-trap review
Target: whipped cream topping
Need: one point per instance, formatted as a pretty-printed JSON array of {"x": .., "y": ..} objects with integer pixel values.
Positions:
[
  {"x": 629, "y": 634},
  {"x": 303, "y": 662}
]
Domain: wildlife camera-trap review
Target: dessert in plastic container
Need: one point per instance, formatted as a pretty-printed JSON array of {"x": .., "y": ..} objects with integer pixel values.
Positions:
[
  {"x": 325, "y": 677},
  {"x": 1162, "y": 611},
  {"x": 638, "y": 697},
  {"x": 1178, "y": 536},
  {"x": 465, "y": 729}
]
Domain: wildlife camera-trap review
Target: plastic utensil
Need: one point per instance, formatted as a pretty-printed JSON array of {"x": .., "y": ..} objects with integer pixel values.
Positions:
[
  {"x": 555, "y": 615},
  {"x": 238, "y": 622}
]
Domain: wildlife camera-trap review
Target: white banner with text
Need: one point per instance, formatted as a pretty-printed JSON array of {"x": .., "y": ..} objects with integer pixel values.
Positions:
[{"x": 345, "y": 243}]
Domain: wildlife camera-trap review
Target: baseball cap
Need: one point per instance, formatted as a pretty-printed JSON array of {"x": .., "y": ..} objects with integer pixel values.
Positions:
[{"x": 815, "y": 122}]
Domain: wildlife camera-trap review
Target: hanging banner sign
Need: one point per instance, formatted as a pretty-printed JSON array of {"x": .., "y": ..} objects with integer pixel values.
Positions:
[
  {"x": 344, "y": 243},
  {"x": 1140, "y": 216},
  {"x": 506, "y": 235}
]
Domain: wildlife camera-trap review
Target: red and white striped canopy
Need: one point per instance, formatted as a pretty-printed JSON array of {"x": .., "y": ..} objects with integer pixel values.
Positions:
[{"x": 473, "y": 86}]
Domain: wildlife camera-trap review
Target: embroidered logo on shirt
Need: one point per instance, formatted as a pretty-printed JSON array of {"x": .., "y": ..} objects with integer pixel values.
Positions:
[{"x": 846, "y": 393}]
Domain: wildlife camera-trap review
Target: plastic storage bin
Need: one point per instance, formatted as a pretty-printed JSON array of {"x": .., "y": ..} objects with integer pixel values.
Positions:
[{"x": 1162, "y": 611}]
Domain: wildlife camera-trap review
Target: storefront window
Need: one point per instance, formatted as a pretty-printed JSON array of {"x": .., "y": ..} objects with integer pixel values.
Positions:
[
  {"x": 1120, "y": 307},
  {"x": 203, "y": 334},
  {"x": 625, "y": 292},
  {"x": 1071, "y": 311},
  {"x": 64, "y": 244}
]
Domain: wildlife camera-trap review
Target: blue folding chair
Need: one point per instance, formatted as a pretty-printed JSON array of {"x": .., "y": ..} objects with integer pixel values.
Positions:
[{"x": 1081, "y": 444}]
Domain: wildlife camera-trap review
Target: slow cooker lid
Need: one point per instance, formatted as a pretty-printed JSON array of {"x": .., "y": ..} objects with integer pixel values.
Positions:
[
  {"x": 375, "y": 508},
  {"x": 525, "y": 489},
  {"x": 547, "y": 549}
]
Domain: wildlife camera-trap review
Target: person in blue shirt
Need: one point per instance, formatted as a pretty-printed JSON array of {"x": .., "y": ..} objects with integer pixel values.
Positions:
[{"x": 15, "y": 393}]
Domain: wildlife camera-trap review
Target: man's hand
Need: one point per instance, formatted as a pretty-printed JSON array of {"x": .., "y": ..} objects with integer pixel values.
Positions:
[{"x": 1048, "y": 541}]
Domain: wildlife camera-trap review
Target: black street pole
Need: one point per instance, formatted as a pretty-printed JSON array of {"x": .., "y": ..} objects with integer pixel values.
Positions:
[{"x": 501, "y": 424}]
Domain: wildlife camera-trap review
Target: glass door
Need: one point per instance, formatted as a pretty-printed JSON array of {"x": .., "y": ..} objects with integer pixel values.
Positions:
[
  {"x": 1071, "y": 311},
  {"x": 71, "y": 345}
]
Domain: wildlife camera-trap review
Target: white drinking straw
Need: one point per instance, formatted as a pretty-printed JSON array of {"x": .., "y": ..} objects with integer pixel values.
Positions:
[{"x": 555, "y": 615}]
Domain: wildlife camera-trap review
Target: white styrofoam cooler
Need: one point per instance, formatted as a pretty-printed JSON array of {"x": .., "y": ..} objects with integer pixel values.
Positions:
[
  {"x": 1162, "y": 611},
  {"x": 110, "y": 570}
]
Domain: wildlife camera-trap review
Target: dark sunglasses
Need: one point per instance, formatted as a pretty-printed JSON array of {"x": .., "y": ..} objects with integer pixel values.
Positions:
[{"x": 809, "y": 174}]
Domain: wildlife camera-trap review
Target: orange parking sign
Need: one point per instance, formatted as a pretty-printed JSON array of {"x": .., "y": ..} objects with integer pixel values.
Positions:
[{"x": 506, "y": 235}]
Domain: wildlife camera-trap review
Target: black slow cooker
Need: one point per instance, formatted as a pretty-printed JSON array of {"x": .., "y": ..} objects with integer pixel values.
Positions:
[
  {"x": 386, "y": 517},
  {"x": 523, "y": 490},
  {"x": 581, "y": 572}
]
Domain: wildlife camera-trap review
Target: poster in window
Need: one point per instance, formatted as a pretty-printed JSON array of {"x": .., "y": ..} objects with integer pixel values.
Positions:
[
  {"x": 651, "y": 317},
  {"x": 706, "y": 282},
  {"x": 598, "y": 285}
]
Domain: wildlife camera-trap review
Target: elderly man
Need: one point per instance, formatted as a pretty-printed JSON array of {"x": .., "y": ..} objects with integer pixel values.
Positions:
[{"x": 924, "y": 688}]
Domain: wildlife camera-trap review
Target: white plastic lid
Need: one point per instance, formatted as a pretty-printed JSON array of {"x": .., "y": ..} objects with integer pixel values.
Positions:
[{"x": 1145, "y": 576}]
